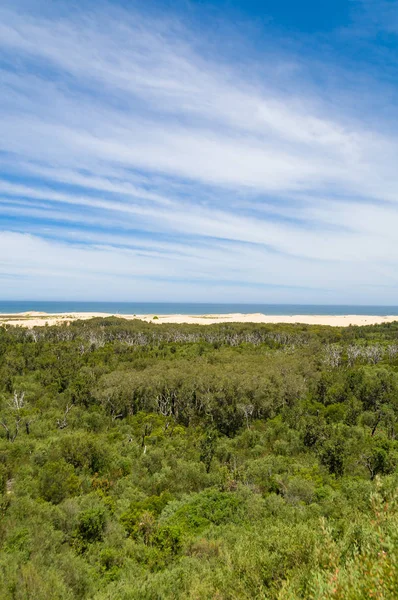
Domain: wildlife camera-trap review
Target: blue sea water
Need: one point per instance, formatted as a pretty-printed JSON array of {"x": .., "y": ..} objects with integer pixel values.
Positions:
[{"x": 186, "y": 308}]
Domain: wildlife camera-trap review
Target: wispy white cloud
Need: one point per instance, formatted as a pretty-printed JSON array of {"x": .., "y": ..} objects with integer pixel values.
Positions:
[{"x": 114, "y": 122}]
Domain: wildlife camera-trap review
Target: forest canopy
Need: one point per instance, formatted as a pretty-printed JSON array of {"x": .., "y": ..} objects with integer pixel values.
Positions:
[{"x": 239, "y": 461}]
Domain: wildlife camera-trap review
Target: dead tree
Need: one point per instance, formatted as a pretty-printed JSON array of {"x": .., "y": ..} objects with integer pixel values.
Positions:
[
  {"x": 62, "y": 423},
  {"x": 353, "y": 353},
  {"x": 18, "y": 401},
  {"x": 15, "y": 405},
  {"x": 332, "y": 356},
  {"x": 12, "y": 435},
  {"x": 247, "y": 410}
]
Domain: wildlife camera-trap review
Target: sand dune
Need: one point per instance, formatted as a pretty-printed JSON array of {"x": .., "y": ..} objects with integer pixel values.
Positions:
[{"x": 34, "y": 319}]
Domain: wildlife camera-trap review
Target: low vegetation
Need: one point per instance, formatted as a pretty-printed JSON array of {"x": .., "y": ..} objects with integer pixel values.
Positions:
[{"x": 151, "y": 462}]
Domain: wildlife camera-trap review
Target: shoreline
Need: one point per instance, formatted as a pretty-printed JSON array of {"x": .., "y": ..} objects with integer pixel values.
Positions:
[{"x": 36, "y": 319}]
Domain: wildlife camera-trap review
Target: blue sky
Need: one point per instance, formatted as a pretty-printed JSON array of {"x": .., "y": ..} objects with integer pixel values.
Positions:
[{"x": 199, "y": 151}]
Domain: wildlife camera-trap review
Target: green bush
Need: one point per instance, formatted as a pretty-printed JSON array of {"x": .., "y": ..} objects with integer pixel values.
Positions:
[
  {"x": 90, "y": 527},
  {"x": 57, "y": 481}
]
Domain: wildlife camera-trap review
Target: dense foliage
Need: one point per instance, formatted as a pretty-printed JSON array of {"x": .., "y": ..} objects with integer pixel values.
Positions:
[{"x": 143, "y": 461}]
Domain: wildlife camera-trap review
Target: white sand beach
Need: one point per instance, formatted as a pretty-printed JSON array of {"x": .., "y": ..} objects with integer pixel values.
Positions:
[{"x": 35, "y": 319}]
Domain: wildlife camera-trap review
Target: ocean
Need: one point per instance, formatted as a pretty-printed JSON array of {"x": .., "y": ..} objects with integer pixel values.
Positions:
[{"x": 188, "y": 308}]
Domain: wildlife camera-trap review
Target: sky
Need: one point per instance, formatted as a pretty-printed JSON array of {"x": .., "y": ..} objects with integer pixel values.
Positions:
[{"x": 219, "y": 151}]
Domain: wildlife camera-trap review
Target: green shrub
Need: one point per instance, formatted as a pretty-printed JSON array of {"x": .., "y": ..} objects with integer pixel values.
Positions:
[
  {"x": 57, "y": 481},
  {"x": 90, "y": 527}
]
